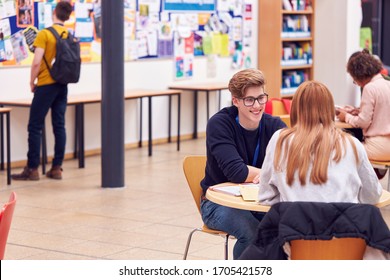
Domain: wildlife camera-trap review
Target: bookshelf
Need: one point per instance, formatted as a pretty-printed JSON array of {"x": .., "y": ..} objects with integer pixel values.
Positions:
[{"x": 286, "y": 43}]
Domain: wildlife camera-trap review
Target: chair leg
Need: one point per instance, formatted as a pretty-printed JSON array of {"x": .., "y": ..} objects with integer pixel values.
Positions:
[
  {"x": 227, "y": 247},
  {"x": 188, "y": 242}
]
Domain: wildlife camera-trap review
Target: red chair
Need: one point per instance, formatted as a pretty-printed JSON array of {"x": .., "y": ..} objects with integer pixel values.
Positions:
[
  {"x": 5, "y": 222},
  {"x": 278, "y": 106}
]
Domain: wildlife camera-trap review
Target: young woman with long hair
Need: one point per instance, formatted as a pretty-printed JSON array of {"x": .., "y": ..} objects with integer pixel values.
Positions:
[{"x": 314, "y": 160}]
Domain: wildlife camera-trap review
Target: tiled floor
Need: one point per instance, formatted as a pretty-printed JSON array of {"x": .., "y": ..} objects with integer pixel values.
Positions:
[{"x": 76, "y": 218}]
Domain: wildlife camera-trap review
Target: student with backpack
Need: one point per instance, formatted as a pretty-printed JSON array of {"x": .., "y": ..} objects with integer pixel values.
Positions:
[{"x": 48, "y": 94}]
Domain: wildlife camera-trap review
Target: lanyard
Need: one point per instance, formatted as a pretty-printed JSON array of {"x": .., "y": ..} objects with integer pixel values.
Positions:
[{"x": 257, "y": 150}]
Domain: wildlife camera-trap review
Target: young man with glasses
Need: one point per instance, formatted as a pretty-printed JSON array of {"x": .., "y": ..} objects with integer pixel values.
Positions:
[{"x": 236, "y": 140}]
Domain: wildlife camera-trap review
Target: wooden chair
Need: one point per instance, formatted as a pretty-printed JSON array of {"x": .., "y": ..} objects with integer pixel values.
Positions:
[
  {"x": 335, "y": 249},
  {"x": 279, "y": 107},
  {"x": 194, "y": 171},
  {"x": 5, "y": 222},
  {"x": 382, "y": 165},
  {"x": 286, "y": 119}
]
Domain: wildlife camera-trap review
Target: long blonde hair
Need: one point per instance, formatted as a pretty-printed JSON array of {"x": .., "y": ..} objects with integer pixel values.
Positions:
[{"x": 313, "y": 136}]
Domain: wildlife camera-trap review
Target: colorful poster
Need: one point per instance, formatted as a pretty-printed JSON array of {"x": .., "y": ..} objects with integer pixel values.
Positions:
[
  {"x": 211, "y": 25},
  {"x": 24, "y": 13},
  {"x": 153, "y": 5},
  {"x": 184, "y": 56},
  {"x": 165, "y": 40},
  {"x": 130, "y": 44},
  {"x": 366, "y": 38},
  {"x": 19, "y": 46},
  {"x": 189, "y": 5},
  {"x": 7, "y": 8}
]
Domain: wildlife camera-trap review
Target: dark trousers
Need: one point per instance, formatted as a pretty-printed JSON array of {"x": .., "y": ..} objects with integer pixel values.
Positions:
[
  {"x": 47, "y": 97},
  {"x": 356, "y": 132}
]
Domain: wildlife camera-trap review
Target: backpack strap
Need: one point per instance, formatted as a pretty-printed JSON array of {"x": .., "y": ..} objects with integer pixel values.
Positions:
[
  {"x": 57, "y": 36},
  {"x": 55, "y": 33}
]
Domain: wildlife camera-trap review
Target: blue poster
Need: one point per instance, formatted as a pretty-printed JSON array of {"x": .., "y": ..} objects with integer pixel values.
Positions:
[{"x": 189, "y": 5}]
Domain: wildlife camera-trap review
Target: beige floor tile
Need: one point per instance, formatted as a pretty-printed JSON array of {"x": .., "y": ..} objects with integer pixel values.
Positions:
[
  {"x": 145, "y": 254},
  {"x": 17, "y": 252},
  {"x": 162, "y": 230},
  {"x": 48, "y": 242},
  {"x": 95, "y": 249},
  {"x": 53, "y": 255},
  {"x": 177, "y": 244},
  {"x": 214, "y": 252}
]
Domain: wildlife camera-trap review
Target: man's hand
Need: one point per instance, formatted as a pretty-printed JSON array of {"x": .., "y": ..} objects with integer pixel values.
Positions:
[
  {"x": 256, "y": 180},
  {"x": 33, "y": 87},
  {"x": 253, "y": 175}
]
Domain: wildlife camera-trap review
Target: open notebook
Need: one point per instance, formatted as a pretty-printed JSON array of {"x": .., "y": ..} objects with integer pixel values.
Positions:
[{"x": 249, "y": 192}]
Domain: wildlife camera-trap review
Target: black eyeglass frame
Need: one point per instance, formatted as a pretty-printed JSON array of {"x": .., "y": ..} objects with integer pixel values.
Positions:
[{"x": 244, "y": 99}]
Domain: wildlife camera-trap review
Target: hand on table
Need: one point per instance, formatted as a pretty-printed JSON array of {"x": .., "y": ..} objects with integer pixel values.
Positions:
[
  {"x": 351, "y": 110},
  {"x": 340, "y": 113},
  {"x": 256, "y": 180}
]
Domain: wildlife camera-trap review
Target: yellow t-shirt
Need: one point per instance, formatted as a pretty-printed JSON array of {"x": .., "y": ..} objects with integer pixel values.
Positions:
[{"x": 46, "y": 40}]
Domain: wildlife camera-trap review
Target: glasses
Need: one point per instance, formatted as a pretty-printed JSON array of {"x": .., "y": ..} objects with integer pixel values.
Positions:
[{"x": 250, "y": 100}]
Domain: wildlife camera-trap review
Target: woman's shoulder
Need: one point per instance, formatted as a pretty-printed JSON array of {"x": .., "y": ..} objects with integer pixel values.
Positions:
[
  {"x": 378, "y": 82},
  {"x": 358, "y": 145}
]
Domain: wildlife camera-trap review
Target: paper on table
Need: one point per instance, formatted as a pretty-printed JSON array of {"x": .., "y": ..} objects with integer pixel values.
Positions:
[
  {"x": 249, "y": 192},
  {"x": 232, "y": 190}
]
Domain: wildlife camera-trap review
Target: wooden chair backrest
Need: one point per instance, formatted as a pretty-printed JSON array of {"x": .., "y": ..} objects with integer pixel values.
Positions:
[
  {"x": 347, "y": 248},
  {"x": 194, "y": 171},
  {"x": 278, "y": 106},
  {"x": 286, "y": 119}
]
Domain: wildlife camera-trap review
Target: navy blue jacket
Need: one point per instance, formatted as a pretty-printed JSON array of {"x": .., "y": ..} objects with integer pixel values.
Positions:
[
  {"x": 288, "y": 221},
  {"x": 227, "y": 156}
]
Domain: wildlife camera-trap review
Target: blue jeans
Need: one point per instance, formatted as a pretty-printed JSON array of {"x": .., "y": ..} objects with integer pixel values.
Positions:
[
  {"x": 240, "y": 223},
  {"x": 54, "y": 97}
]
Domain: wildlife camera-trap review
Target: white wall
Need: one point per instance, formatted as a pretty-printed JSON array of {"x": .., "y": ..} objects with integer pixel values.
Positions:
[{"x": 337, "y": 37}]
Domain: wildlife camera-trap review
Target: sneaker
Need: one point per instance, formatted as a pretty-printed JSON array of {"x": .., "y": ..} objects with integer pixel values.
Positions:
[
  {"x": 55, "y": 173},
  {"x": 28, "y": 174},
  {"x": 380, "y": 173}
]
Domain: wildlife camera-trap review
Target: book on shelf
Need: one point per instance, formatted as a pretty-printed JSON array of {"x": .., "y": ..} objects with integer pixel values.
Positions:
[
  {"x": 295, "y": 62},
  {"x": 295, "y": 24},
  {"x": 288, "y": 91},
  {"x": 287, "y": 5},
  {"x": 295, "y": 5},
  {"x": 296, "y": 35},
  {"x": 296, "y": 54},
  {"x": 292, "y": 79},
  {"x": 298, "y": 5}
]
